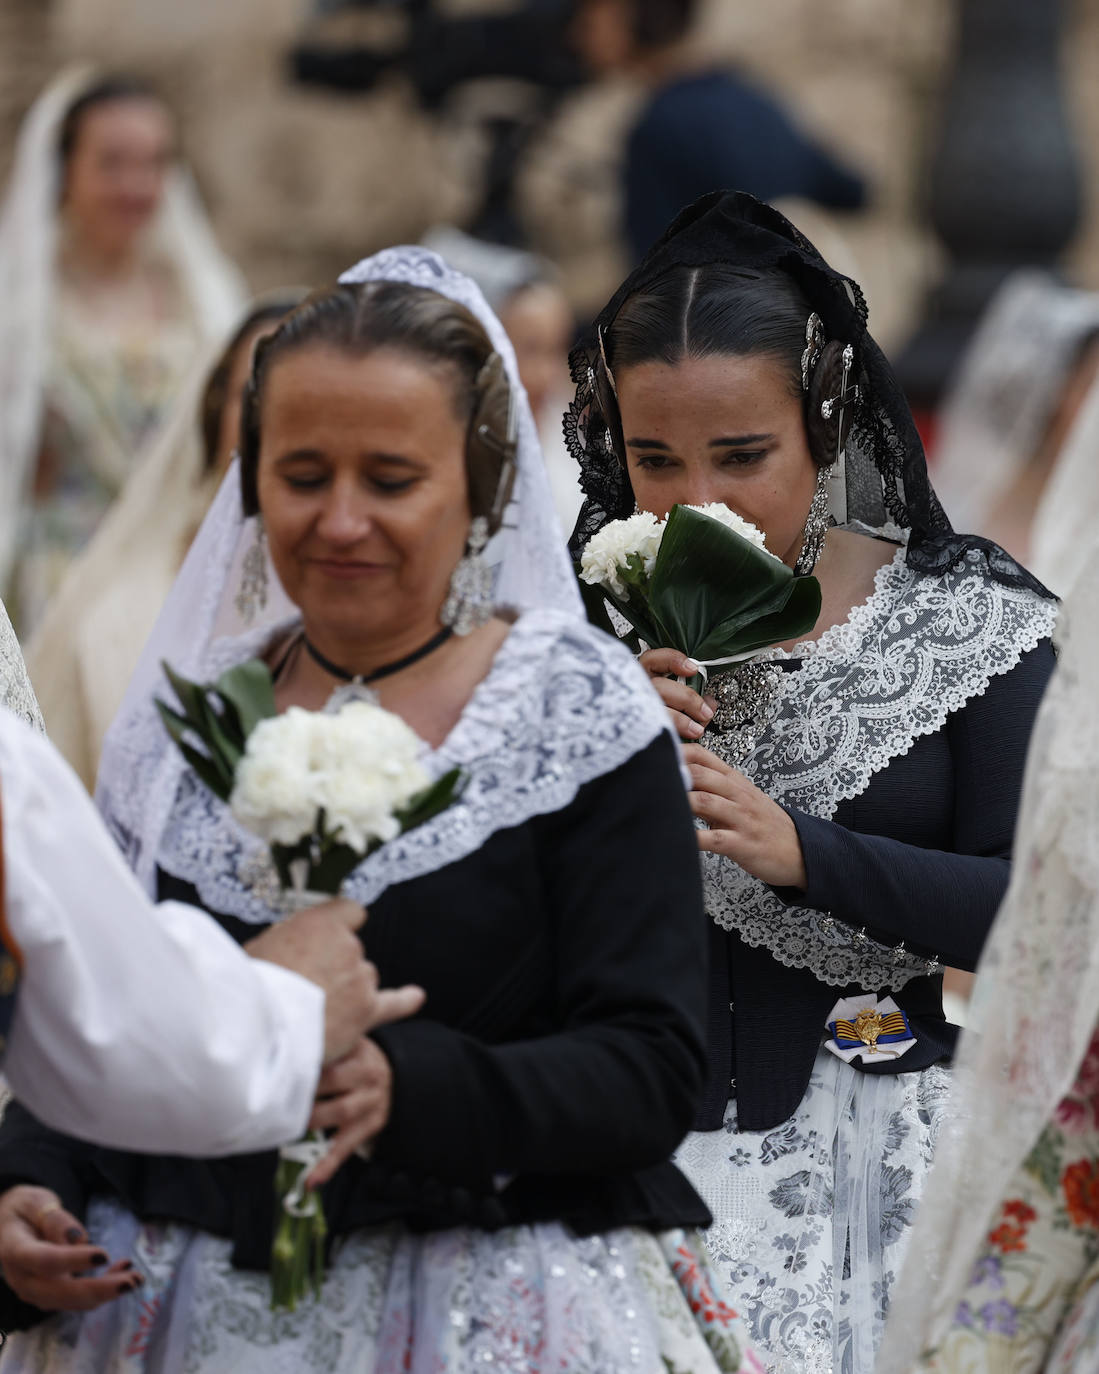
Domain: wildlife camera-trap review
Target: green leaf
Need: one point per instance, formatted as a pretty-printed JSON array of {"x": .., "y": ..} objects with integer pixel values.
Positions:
[
  {"x": 190, "y": 694},
  {"x": 208, "y": 771},
  {"x": 442, "y": 793},
  {"x": 716, "y": 593},
  {"x": 249, "y": 692}
]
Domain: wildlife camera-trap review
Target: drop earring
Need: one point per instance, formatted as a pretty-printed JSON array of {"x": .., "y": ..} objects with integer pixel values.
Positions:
[
  {"x": 251, "y": 595},
  {"x": 469, "y": 601}
]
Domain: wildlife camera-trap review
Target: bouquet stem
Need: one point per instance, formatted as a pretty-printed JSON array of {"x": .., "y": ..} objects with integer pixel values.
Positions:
[{"x": 297, "y": 1255}]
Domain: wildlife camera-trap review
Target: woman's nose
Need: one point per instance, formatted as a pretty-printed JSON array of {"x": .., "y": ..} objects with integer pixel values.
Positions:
[{"x": 345, "y": 518}]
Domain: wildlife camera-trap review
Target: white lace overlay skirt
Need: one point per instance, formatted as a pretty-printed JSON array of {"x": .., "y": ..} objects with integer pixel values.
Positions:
[
  {"x": 527, "y": 1300},
  {"x": 811, "y": 1219}
]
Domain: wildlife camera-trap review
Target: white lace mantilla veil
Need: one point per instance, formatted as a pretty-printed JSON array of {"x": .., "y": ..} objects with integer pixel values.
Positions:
[
  {"x": 1067, "y": 518},
  {"x": 211, "y": 284},
  {"x": 1036, "y": 1000},
  {"x": 16, "y": 692},
  {"x": 1007, "y": 387},
  {"x": 200, "y": 631}
]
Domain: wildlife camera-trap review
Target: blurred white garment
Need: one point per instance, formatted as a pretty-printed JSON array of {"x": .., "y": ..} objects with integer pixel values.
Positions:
[
  {"x": 1066, "y": 522},
  {"x": 1034, "y": 1008},
  {"x": 136, "y": 1026},
  {"x": 1007, "y": 391}
]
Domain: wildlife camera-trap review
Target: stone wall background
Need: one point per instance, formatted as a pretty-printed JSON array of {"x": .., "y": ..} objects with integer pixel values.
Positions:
[{"x": 301, "y": 182}]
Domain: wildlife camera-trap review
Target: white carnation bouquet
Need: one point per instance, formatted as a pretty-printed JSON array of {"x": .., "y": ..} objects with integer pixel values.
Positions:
[
  {"x": 701, "y": 581},
  {"x": 324, "y": 790}
]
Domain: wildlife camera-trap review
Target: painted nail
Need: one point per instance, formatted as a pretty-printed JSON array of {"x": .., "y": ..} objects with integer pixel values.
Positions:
[
  {"x": 125, "y": 1264},
  {"x": 99, "y": 1257},
  {"x": 694, "y": 728},
  {"x": 136, "y": 1280},
  {"x": 75, "y": 1236}
]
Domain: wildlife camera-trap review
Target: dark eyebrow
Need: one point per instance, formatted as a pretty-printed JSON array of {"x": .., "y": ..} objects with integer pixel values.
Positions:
[
  {"x": 740, "y": 440},
  {"x": 648, "y": 443},
  {"x": 299, "y": 455}
]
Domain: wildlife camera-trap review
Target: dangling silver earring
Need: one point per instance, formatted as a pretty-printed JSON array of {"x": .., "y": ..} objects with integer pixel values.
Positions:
[
  {"x": 816, "y": 525},
  {"x": 469, "y": 602},
  {"x": 252, "y": 593}
]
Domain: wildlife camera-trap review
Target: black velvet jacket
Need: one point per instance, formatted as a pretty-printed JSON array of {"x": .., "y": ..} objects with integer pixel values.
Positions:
[
  {"x": 922, "y": 856},
  {"x": 562, "y": 1044}
]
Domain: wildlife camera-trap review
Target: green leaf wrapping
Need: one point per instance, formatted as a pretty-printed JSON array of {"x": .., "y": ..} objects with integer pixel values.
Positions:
[{"x": 712, "y": 594}]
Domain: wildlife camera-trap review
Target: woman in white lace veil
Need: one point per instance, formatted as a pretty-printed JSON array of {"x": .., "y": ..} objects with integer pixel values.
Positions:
[
  {"x": 518, "y": 1206},
  {"x": 205, "y": 615},
  {"x": 84, "y": 651},
  {"x": 1007, "y": 415},
  {"x": 1003, "y": 1245},
  {"x": 32, "y": 235}
]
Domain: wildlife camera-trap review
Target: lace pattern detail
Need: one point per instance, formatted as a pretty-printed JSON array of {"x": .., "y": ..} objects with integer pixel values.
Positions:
[
  {"x": 918, "y": 649},
  {"x": 16, "y": 692},
  {"x": 561, "y": 705}
]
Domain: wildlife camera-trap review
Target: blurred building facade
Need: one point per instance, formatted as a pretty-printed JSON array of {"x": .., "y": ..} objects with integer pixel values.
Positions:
[{"x": 302, "y": 181}]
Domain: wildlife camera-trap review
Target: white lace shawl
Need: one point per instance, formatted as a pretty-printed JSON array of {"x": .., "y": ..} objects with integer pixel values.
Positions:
[
  {"x": 561, "y": 705},
  {"x": 919, "y": 648}
]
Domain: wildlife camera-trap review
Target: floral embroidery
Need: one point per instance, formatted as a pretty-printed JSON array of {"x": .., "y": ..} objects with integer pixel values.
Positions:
[
  {"x": 1032, "y": 1303},
  {"x": 1080, "y": 1182}
]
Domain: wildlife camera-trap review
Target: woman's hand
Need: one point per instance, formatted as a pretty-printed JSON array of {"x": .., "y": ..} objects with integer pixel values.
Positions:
[
  {"x": 46, "y": 1258},
  {"x": 690, "y": 712},
  {"x": 353, "y": 1098},
  {"x": 744, "y": 823}
]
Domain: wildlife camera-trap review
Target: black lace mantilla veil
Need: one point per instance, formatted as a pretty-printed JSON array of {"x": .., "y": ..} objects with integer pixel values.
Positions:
[{"x": 886, "y": 472}]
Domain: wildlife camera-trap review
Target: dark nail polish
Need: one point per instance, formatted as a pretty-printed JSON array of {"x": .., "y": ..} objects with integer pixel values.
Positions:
[
  {"x": 136, "y": 1280},
  {"x": 125, "y": 1265},
  {"x": 99, "y": 1258},
  {"x": 75, "y": 1236}
]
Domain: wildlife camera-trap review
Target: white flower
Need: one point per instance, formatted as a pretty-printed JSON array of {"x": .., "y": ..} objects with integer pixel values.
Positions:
[
  {"x": 717, "y": 510},
  {"x": 609, "y": 549},
  {"x": 360, "y": 764}
]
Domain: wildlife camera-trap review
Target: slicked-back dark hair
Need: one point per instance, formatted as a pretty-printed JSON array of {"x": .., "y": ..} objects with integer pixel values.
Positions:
[
  {"x": 358, "y": 318},
  {"x": 717, "y": 310}
]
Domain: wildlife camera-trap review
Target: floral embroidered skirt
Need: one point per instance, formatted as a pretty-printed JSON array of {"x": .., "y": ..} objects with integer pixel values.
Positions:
[
  {"x": 811, "y": 1219},
  {"x": 526, "y": 1300}
]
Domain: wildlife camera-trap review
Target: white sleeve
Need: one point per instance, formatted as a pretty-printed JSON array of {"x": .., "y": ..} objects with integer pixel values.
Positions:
[{"x": 138, "y": 1026}]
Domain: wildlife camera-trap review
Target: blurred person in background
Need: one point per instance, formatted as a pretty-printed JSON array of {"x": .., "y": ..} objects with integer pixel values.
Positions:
[
  {"x": 525, "y": 292},
  {"x": 112, "y": 283},
  {"x": 84, "y": 650},
  {"x": 702, "y": 127},
  {"x": 1015, "y": 403}
]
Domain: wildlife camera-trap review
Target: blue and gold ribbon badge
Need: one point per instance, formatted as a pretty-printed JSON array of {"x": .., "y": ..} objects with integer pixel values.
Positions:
[{"x": 864, "y": 1027}]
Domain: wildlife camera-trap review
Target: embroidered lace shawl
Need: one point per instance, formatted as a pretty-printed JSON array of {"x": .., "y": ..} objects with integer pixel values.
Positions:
[
  {"x": 561, "y": 705},
  {"x": 919, "y": 648}
]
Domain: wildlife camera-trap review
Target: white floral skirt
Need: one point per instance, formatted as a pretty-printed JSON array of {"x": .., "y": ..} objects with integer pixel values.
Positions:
[
  {"x": 811, "y": 1219},
  {"x": 526, "y": 1300}
]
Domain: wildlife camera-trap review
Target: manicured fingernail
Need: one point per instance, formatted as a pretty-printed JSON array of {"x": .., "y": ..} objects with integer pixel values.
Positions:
[
  {"x": 75, "y": 1236},
  {"x": 692, "y": 667},
  {"x": 125, "y": 1264},
  {"x": 706, "y": 712},
  {"x": 693, "y": 727},
  {"x": 99, "y": 1258}
]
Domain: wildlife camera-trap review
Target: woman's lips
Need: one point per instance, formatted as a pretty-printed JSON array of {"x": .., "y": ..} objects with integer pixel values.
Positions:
[{"x": 346, "y": 570}]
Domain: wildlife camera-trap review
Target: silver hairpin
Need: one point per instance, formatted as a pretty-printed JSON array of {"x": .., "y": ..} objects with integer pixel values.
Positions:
[{"x": 814, "y": 345}]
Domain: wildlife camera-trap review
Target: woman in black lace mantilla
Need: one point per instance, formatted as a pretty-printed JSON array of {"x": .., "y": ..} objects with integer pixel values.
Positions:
[{"x": 855, "y": 792}]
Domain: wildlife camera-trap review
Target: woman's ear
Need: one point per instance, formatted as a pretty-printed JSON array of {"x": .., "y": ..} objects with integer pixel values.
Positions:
[{"x": 828, "y": 431}]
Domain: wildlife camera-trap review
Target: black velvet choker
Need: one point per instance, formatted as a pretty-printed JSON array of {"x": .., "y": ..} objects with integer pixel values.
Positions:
[{"x": 436, "y": 641}]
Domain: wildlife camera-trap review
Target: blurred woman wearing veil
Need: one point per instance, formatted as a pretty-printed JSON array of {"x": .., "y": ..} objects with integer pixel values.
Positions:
[
  {"x": 1002, "y": 1276},
  {"x": 112, "y": 285},
  {"x": 389, "y": 530},
  {"x": 87, "y": 645}
]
